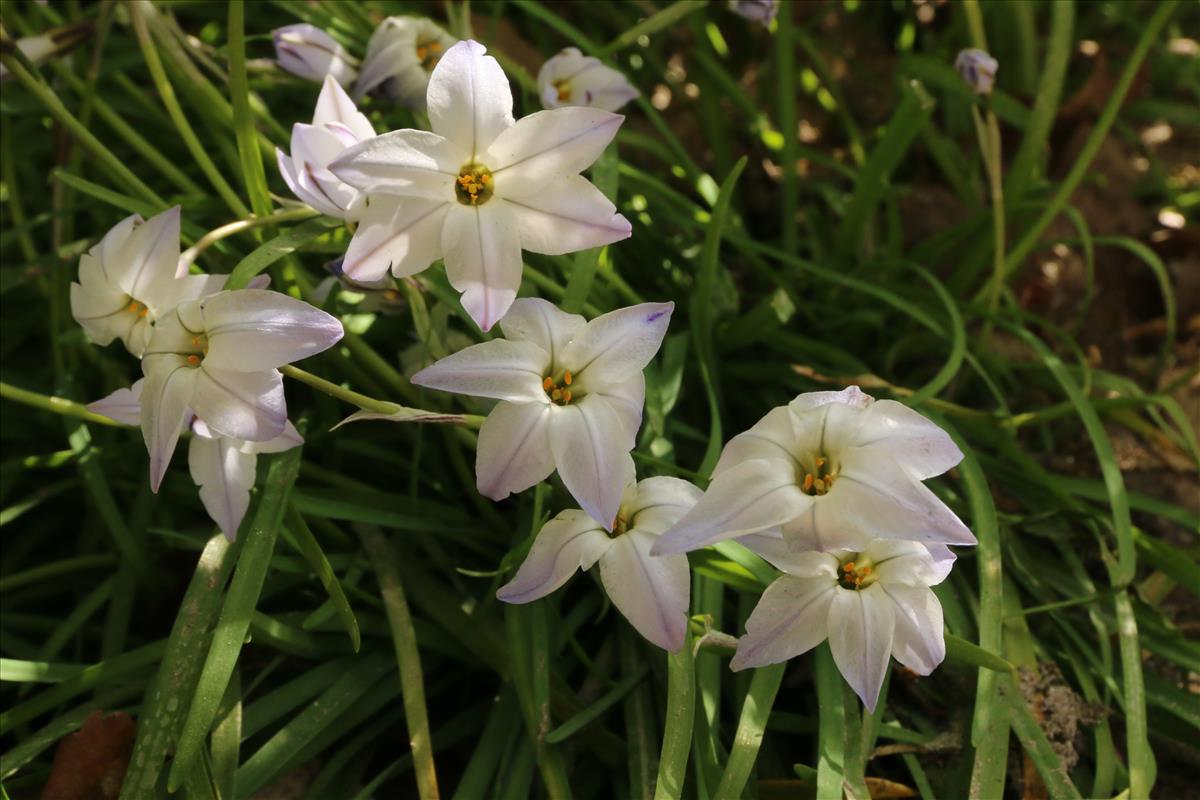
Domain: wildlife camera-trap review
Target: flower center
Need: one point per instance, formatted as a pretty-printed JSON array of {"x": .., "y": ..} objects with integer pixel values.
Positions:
[
  {"x": 428, "y": 53},
  {"x": 819, "y": 476},
  {"x": 620, "y": 526},
  {"x": 857, "y": 573},
  {"x": 474, "y": 185},
  {"x": 557, "y": 390},
  {"x": 139, "y": 310},
  {"x": 564, "y": 90},
  {"x": 199, "y": 350}
]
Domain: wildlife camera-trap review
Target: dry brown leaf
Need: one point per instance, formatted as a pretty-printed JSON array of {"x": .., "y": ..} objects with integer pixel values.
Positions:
[{"x": 90, "y": 764}]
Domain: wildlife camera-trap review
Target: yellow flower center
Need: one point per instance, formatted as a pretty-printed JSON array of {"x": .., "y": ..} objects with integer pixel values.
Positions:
[
  {"x": 557, "y": 390},
  {"x": 564, "y": 90},
  {"x": 139, "y": 310},
  {"x": 857, "y": 573},
  {"x": 429, "y": 53},
  {"x": 819, "y": 477},
  {"x": 474, "y": 185},
  {"x": 200, "y": 350},
  {"x": 620, "y": 527}
]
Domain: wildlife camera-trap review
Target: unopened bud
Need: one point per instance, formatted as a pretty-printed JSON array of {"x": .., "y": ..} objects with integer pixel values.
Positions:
[
  {"x": 978, "y": 69},
  {"x": 309, "y": 52}
]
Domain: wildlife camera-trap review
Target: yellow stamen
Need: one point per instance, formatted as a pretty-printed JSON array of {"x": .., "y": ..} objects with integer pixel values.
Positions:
[
  {"x": 820, "y": 461},
  {"x": 567, "y": 377},
  {"x": 193, "y": 360},
  {"x": 808, "y": 482},
  {"x": 547, "y": 383},
  {"x": 564, "y": 91},
  {"x": 566, "y": 395}
]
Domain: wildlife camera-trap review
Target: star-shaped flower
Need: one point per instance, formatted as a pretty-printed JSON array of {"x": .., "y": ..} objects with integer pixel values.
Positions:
[
  {"x": 480, "y": 187},
  {"x": 573, "y": 79}
]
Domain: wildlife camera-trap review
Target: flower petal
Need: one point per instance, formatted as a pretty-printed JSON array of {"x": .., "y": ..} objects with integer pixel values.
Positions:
[
  {"x": 916, "y": 443},
  {"x": 652, "y": 592},
  {"x": 123, "y": 405},
  {"x": 408, "y": 163},
  {"x": 567, "y": 215},
  {"x": 861, "y": 628},
  {"x": 498, "y": 368},
  {"x": 532, "y": 319},
  {"x": 469, "y": 99},
  {"x": 547, "y": 146},
  {"x": 589, "y": 451},
  {"x": 791, "y": 618},
  {"x": 909, "y": 563},
  {"x": 482, "y": 250},
  {"x": 103, "y": 313},
  {"x": 615, "y": 346},
  {"x": 658, "y": 503},
  {"x": 253, "y": 329},
  {"x": 225, "y": 476},
  {"x": 774, "y": 548},
  {"x": 316, "y": 200},
  {"x": 570, "y": 541},
  {"x": 403, "y": 235},
  {"x": 747, "y": 498},
  {"x": 627, "y": 398},
  {"x": 827, "y": 428},
  {"x": 770, "y": 437},
  {"x": 334, "y": 105},
  {"x": 285, "y": 441},
  {"x": 146, "y": 265},
  {"x": 514, "y": 449},
  {"x": 166, "y": 394},
  {"x": 920, "y": 640},
  {"x": 241, "y": 405}
]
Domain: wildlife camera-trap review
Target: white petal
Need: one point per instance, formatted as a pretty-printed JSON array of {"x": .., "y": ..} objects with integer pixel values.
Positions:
[
  {"x": 771, "y": 437},
  {"x": 850, "y": 396},
  {"x": 254, "y": 329},
  {"x": 920, "y": 641},
  {"x": 514, "y": 449},
  {"x": 567, "y": 215},
  {"x": 123, "y": 405},
  {"x": 601, "y": 87},
  {"x": 145, "y": 266},
  {"x": 875, "y": 498},
  {"x": 861, "y": 627},
  {"x": 318, "y": 201},
  {"x": 285, "y": 441},
  {"x": 916, "y": 443},
  {"x": 549, "y": 145},
  {"x": 748, "y": 498},
  {"x": 498, "y": 368},
  {"x": 791, "y": 618},
  {"x": 334, "y": 105},
  {"x": 774, "y": 548},
  {"x": 482, "y": 250},
  {"x": 908, "y": 563},
  {"x": 241, "y": 405},
  {"x": 409, "y": 163},
  {"x": 615, "y": 346},
  {"x": 225, "y": 476},
  {"x": 823, "y": 527},
  {"x": 827, "y": 429},
  {"x": 590, "y": 454},
  {"x": 570, "y": 541},
  {"x": 532, "y": 319},
  {"x": 628, "y": 399},
  {"x": 403, "y": 235},
  {"x": 651, "y": 591},
  {"x": 658, "y": 503},
  {"x": 166, "y": 395},
  {"x": 103, "y": 313},
  {"x": 311, "y": 53},
  {"x": 943, "y": 561},
  {"x": 469, "y": 99}
]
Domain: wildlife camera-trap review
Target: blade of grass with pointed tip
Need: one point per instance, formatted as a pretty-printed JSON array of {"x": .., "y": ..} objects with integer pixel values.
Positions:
[
  {"x": 310, "y": 548},
  {"x": 253, "y": 176}
]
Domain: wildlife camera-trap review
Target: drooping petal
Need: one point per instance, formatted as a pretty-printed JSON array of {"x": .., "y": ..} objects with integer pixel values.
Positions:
[
  {"x": 253, "y": 329},
  {"x": 285, "y": 441},
  {"x": 408, "y": 163},
  {"x": 402, "y": 235},
  {"x": 166, "y": 394},
  {"x": 498, "y": 368},
  {"x": 241, "y": 405},
  {"x": 567, "y": 215},
  {"x": 791, "y": 618},
  {"x": 920, "y": 641},
  {"x": 774, "y": 548},
  {"x": 770, "y": 437},
  {"x": 651, "y": 591},
  {"x": 587, "y": 438},
  {"x": 291, "y": 176},
  {"x": 943, "y": 561},
  {"x": 658, "y": 503},
  {"x": 614, "y": 346},
  {"x": 570, "y": 541},
  {"x": 311, "y": 53},
  {"x": 103, "y": 313},
  {"x": 469, "y": 99},
  {"x": 748, "y": 498},
  {"x": 123, "y": 405},
  {"x": 482, "y": 250},
  {"x": 334, "y": 105},
  {"x": 145, "y": 266},
  {"x": 861, "y": 627},
  {"x": 547, "y": 146},
  {"x": 514, "y": 449},
  {"x": 225, "y": 476},
  {"x": 916, "y": 443},
  {"x": 532, "y": 319}
]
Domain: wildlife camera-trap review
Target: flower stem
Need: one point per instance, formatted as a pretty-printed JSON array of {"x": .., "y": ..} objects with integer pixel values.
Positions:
[{"x": 59, "y": 405}]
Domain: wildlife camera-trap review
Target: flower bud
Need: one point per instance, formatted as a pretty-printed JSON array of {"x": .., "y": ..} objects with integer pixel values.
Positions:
[
  {"x": 311, "y": 53},
  {"x": 756, "y": 10},
  {"x": 400, "y": 57},
  {"x": 978, "y": 69}
]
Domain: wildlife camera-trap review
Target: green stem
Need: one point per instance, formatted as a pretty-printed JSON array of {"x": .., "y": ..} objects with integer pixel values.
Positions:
[
  {"x": 59, "y": 405},
  {"x": 253, "y": 176},
  {"x": 681, "y": 714}
]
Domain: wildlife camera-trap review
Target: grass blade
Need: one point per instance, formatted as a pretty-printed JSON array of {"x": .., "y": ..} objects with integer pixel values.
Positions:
[{"x": 757, "y": 708}]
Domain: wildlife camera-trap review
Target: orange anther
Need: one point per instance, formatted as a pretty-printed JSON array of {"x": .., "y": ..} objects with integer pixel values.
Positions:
[
  {"x": 566, "y": 395},
  {"x": 848, "y": 566},
  {"x": 820, "y": 462},
  {"x": 808, "y": 481},
  {"x": 567, "y": 377},
  {"x": 547, "y": 383},
  {"x": 193, "y": 360}
]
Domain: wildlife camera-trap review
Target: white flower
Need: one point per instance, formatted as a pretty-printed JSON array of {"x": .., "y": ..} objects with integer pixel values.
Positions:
[
  {"x": 337, "y": 125},
  {"x": 223, "y": 468},
  {"x": 217, "y": 357},
  {"x": 833, "y": 470},
  {"x": 311, "y": 53},
  {"x": 572, "y": 79},
  {"x": 400, "y": 56},
  {"x": 54, "y": 42},
  {"x": 757, "y": 10},
  {"x": 571, "y": 397},
  {"x": 978, "y": 69},
  {"x": 651, "y": 591},
  {"x": 479, "y": 188},
  {"x": 133, "y": 276},
  {"x": 870, "y": 604}
]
